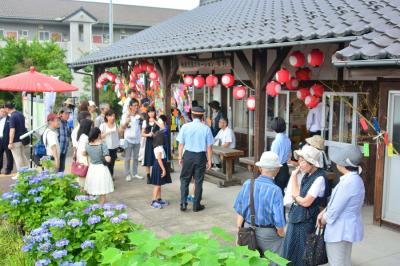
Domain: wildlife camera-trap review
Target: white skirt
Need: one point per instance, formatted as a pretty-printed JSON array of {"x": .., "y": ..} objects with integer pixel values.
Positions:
[{"x": 98, "y": 180}]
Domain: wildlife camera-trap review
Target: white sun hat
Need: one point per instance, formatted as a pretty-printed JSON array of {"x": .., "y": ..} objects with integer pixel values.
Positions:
[
  {"x": 269, "y": 160},
  {"x": 310, "y": 154}
]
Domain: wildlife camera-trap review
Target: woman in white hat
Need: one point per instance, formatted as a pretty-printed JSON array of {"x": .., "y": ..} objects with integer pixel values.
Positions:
[
  {"x": 308, "y": 197},
  {"x": 342, "y": 216},
  {"x": 318, "y": 142},
  {"x": 268, "y": 205}
]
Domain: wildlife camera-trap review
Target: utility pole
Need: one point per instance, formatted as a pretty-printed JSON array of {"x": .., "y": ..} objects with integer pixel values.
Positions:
[{"x": 110, "y": 23}]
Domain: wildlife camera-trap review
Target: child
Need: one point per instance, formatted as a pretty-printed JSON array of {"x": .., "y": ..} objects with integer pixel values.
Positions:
[
  {"x": 98, "y": 179},
  {"x": 160, "y": 174}
]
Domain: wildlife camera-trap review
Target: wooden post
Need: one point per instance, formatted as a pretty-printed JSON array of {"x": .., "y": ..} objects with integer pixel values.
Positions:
[{"x": 95, "y": 91}]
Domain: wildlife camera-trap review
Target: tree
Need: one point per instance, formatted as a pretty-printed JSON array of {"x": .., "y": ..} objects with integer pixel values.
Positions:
[{"x": 18, "y": 56}]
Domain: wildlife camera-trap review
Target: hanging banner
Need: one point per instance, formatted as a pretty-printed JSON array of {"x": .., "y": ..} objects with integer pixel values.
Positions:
[
  {"x": 208, "y": 65},
  {"x": 366, "y": 149}
]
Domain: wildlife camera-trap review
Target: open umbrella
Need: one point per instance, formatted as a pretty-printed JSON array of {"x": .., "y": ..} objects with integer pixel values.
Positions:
[{"x": 33, "y": 81}]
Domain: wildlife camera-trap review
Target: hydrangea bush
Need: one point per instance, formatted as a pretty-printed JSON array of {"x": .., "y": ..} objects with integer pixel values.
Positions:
[
  {"x": 36, "y": 196},
  {"x": 80, "y": 234}
]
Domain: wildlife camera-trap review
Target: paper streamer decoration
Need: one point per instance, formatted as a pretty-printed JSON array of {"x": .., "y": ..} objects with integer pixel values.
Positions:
[
  {"x": 376, "y": 124},
  {"x": 366, "y": 149},
  {"x": 386, "y": 138},
  {"x": 390, "y": 150},
  {"x": 363, "y": 123}
]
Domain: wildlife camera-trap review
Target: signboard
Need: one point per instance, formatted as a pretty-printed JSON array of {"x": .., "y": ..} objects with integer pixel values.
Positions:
[{"x": 208, "y": 65}]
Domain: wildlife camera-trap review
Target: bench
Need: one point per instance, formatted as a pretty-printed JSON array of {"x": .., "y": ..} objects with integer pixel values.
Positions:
[
  {"x": 228, "y": 157},
  {"x": 249, "y": 161}
]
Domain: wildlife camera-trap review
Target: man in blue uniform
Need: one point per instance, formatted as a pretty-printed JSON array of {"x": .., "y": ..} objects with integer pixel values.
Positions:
[{"x": 197, "y": 140}]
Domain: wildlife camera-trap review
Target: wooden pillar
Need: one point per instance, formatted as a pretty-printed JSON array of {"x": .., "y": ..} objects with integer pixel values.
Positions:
[{"x": 95, "y": 91}]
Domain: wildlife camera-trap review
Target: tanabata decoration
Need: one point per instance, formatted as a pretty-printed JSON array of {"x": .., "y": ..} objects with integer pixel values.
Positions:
[
  {"x": 153, "y": 75},
  {"x": 315, "y": 58},
  {"x": 282, "y": 75},
  {"x": 104, "y": 78},
  {"x": 297, "y": 59},
  {"x": 251, "y": 103},
  {"x": 317, "y": 90},
  {"x": 239, "y": 92},
  {"x": 366, "y": 149},
  {"x": 273, "y": 88},
  {"x": 303, "y": 74},
  {"x": 376, "y": 125},
  {"x": 211, "y": 81},
  {"x": 228, "y": 80},
  {"x": 363, "y": 123},
  {"x": 302, "y": 93},
  {"x": 311, "y": 101},
  {"x": 188, "y": 81},
  {"x": 386, "y": 138},
  {"x": 198, "y": 82},
  {"x": 292, "y": 84},
  {"x": 390, "y": 150}
]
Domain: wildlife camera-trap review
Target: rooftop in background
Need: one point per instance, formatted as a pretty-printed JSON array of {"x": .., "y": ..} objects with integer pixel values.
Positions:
[
  {"x": 57, "y": 10},
  {"x": 371, "y": 27}
]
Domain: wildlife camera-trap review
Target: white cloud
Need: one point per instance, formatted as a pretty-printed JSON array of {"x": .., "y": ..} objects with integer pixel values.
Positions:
[{"x": 175, "y": 4}]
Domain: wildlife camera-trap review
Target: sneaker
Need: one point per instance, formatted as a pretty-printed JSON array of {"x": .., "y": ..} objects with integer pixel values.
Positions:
[
  {"x": 128, "y": 178},
  {"x": 139, "y": 177},
  {"x": 163, "y": 202},
  {"x": 15, "y": 177},
  {"x": 216, "y": 169},
  {"x": 190, "y": 198},
  {"x": 156, "y": 205}
]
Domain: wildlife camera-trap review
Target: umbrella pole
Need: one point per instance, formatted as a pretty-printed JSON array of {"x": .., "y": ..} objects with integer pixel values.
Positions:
[{"x": 31, "y": 146}]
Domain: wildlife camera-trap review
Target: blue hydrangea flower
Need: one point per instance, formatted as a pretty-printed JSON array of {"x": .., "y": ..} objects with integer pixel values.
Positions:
[
  {"x": 81, "y": 197},
  {"x": 68, "y": 214},
  {"x": 26, "y": 248},
  {"x": 7, "y": 195},
  {"x": 15, "y": 202},
  {"x": 108, "y": 206},
  {"x": 120, "y": 207},
  {"x": 56, "y": 222},
  {"x": 44, "y": 247},
  {"x": 43, "y": 262},
  {"x": 26, "y": 200},
  {"x": 94, "y": 219},
  {"x": 32, "y": 191},
  {"x": 123, "y": 216},
  {"x": 75, "y": 222},
  {"x": 108, "y": 213},
  {"x": 95, "y": 206},
  {"x": 41, "y": 188},
  {"x": 87, "y": 210},
  {"x": 115, "y": 220},
  {"x": 61, "y": 243},
  {"x": 59, "y": 254},
  {"x": 87, "y": 244},
  {"x": 38, "y": 231},
  {"x": 37, "y": 199}
]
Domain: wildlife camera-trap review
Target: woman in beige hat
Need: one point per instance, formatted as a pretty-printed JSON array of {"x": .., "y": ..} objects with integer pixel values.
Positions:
[
  {"x": 308, "y": 197},
  {"x": 318, "y": 142}
]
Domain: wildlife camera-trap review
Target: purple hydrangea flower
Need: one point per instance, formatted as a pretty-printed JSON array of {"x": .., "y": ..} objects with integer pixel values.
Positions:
[
  {"x": 81, "y": 197},
  {"x": 7, "y": 195},
  {"x": 108, "y": 213},
  {"x": 94, "y": 219},
  {"x": 115, "y": 220},
  {"x": 68, "y": 214},
  {"x": 32, "y": 191},
  {"x": 43, "y": 262},
  {"x": 123, "y": 216},
  {"x": 80, "y": 263},
  {"x": 75, "y": 222},
  {"x": 26, "y": 248},
  {"x": 108, "y": 206},
  {"x": 56, "y": 222},
  {"x": 87, "y": 244},
  {"x": 25, "y": 200},
  {"x": 59, "y": 254},
  {"x": 38, "y": 231},
  {"x": 95, "y": 206},
  {"x": 120, "y": 207},
  {"x": 41, "y": 188},
  {"x": 44, "y": 247},
  {"x": 61, "y": 243},
  {"x": 87, "y": 210},
  {"x": 37, "y": 199},
  {"x": 15, "y": 202}
]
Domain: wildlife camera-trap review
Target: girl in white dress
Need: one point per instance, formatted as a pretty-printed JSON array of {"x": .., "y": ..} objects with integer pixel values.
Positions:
[
  {"x": 98, "y": 180},
  {"x": 82, "y": 138}
]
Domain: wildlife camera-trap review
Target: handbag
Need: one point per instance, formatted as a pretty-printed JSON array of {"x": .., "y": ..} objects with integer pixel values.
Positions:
[
  {"x": 247, "y": 235},
  {"x": 315, "y": 250},
  {"x": 79, "y": 169}
]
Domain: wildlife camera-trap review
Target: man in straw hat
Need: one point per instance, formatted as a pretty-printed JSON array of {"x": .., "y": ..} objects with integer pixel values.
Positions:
[
  {"x": 197, "y": 140},
  {"x": 268, "y": 205}
]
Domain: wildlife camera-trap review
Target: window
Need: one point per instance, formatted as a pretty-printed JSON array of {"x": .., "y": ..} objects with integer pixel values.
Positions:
[
  {"x": 240, "y": 116},
  {"x": 12, "y": 35},
  {"x": 106, "y": 38},
  {"x": 80, "y": 29},
  {"x": 97, "y": 39},
  {"x": 56, "y": 37},
  {"x": 44, "y": 35},
  {"x": 23, "y": 34},
  {"x": 341, "y": 123},
  {"x": 121, "y": 37}
]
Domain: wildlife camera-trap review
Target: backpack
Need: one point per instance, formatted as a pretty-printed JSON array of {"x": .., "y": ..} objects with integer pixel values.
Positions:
[{"x": 39, "y": 150}]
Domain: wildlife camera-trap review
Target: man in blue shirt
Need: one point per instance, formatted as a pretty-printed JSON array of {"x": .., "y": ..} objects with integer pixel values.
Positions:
[
  {"x": 197, "y": 140},
  {"x": 268, "y": 205},
  {"x": 63, "y": 136}
]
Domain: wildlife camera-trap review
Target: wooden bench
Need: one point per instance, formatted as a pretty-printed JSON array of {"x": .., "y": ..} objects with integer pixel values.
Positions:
[
  {"x": 249, "y": 161},
  {"x": 228, "y": 157}
]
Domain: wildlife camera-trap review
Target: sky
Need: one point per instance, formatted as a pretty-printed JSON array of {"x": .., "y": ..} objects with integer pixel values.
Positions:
[{"x": 175, "y": 4}]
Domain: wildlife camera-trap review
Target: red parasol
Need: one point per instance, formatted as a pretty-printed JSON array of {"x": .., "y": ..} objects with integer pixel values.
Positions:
[{"x": 33, "y": 81}]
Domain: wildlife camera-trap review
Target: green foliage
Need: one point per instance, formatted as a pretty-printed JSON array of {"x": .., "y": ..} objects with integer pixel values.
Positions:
[
  {"x": 37, "y": 196},
  {"x": 10, "y": 246}
]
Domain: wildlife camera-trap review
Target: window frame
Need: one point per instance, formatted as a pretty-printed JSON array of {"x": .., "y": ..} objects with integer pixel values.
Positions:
[
  {"x": 23, "y": 36},
  {"x": 55, "y": 32},
  {"x": 44, "y": 32},
  {"x": 9, "y": 31}
]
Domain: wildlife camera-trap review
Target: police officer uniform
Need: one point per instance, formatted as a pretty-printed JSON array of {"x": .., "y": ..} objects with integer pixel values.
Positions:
[{"x": 195, "y": 137}]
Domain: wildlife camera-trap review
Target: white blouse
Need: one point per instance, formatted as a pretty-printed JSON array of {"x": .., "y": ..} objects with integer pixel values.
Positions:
[
  {"x": 112, "y": 138},
  {"x": 159, "y": 149}
]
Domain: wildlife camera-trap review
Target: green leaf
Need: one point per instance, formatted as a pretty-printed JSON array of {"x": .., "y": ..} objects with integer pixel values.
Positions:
[
  {"x": 222, "y": 234},
  {"x": 111, "y": 255},
  {"x": 276, "y": 258}
]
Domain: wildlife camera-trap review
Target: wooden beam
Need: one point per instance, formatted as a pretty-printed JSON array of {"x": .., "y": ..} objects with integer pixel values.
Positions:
[
  {"x": 246, "y": 65},
  {"x": 281, "y": 55},
  {"x": 95, "y": 91}
]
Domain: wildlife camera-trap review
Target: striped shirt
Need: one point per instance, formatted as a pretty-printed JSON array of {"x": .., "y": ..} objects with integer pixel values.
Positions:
[
  {"x": 268, "y": 202},
  {"x": 63, "y": 137}
]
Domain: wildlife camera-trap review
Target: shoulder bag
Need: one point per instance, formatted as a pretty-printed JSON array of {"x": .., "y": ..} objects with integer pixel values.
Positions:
[
  {"x": 315, "y": 251},
  {"x": 79, "y": 169},
  {"x": 247, "y": 235}
]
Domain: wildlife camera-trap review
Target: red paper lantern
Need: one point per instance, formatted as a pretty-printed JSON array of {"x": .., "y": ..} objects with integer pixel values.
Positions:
[
  {"x": 282, "y": 75},
  {"x": 239, "y": 92},
  {"x": 303, "y": 74},
  {"x": 199, "y": 82},
  {"x": 315, "y": 58},
  {"x": 273, "y": 88},
  {"x": 99, "y": 85},
  {"x": 292, "y": 84},
  {"x": 150, "y": 67},
  {"x": 251, "y": 103},
  {"x": 211, "y": 81},
  {"x": 303, "y": 93},
  {"x": 297, "y": 59},
  {"x": 154, "y": 84},
  {"x": 137, "y": 69},
  {"x": 153, "y": 75},
  {"x": 317, "y": 90},
  {"x": 143, "y": 66},
  {"x": 188, "y": 80},
  {"x": 228, "y": 80},
  {"x": 311, "y": 101},
  {"x": 120, "y": 85},
  {"x": 132, "y": 84}
]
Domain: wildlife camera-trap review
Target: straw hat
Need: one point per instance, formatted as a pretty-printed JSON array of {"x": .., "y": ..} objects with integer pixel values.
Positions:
[
  {"x": 269, "y": 160},
  {"x": 317, "y": 142},
  {"x": 310, "y": 154}
]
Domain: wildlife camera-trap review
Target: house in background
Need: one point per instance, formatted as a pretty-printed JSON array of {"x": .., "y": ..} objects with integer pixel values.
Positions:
[{"x": 78, "y": 27}]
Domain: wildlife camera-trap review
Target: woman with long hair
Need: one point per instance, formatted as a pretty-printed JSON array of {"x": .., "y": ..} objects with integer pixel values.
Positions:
[
  {"x": 83, "y": 138},
  {"x": 109, "y": 133}
]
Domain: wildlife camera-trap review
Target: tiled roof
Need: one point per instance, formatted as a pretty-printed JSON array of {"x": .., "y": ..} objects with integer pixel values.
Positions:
[
  {"x": 238, "y": 24},
  {"x": 56, "y": 10}
]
